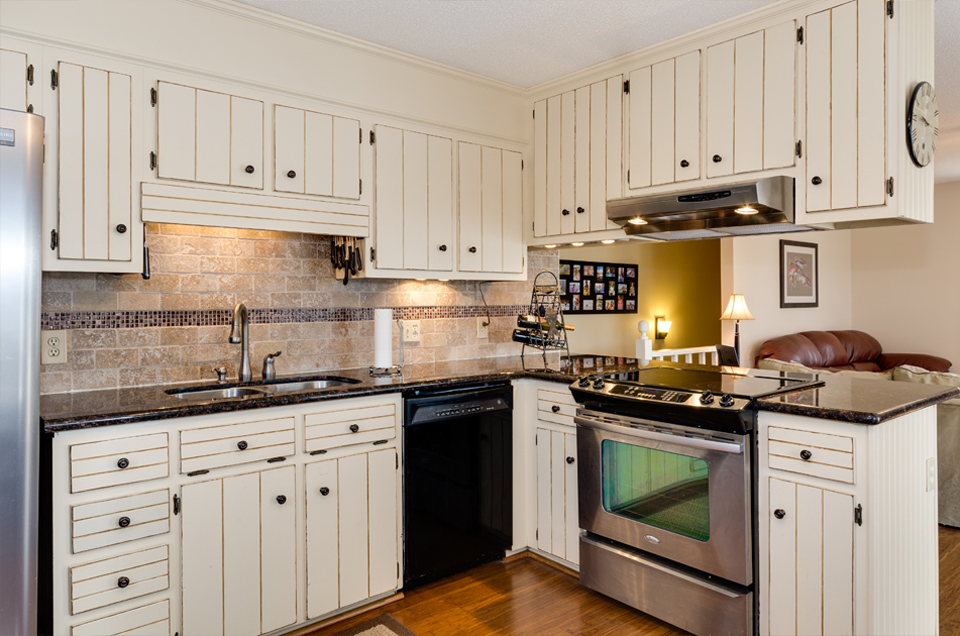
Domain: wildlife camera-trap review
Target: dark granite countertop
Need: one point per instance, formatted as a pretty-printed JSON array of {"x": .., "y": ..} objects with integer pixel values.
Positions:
[{"x": 843, "y": 399}]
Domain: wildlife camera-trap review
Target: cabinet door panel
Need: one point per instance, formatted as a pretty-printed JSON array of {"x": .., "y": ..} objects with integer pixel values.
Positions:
[
  {"x": 748, "y": 107},
  {"x": 843, "y": 107},
  {"x": 640, "y": 127},
  {"x": 818, "y": 42},
  {"x": 213, "y": 137},
  {"x": 614, "y": 138},
  {"x": 662, "y": 113},
  {"x": 202, "y": 558},
  {"x": 71, "y": 147},
  {"x": 176, "y": 132},
  {"x": 278, "y": 548},
  {"x": 290, "y": 148},
  {"x": 582, "y": 139},
  {"x": 554, "y": 173},
  {"x": 871, "y": 110},
  {"x": 384, "y": 555},
  {"x": 544, "y": 533},
  {"x": 95, "y": 163},
  {"x": 779, "y": 95},
  {"x": 353, "y": 528},
  {"x": 246, "y": 142},
  {"x": 491, "y": 205},
  {"x": 470, "y": 210},
  {"x": 783, "y": 559},
  {"x": 241, "y": 550},
  {"x": 557, "y": 502},
  {"x": 13, "y": 80},
  {"x": 389, "y": 177},
  {"x": 318, "y": 164},
  {"x": 346, "y": 150},
  {"x": 540, "y": 168},
  {"x": 837, "y": 564},
  {"x": 119, "y": 169},
  {"x": 810, "y": 555},
  {"x": 440, "y": 204},
  {"x": 568, "y": 159},
  {"x": 323, "y": 563},
  {"x": 688, "y": 117},
  {"x": 720, "y": 116},
  {"x": 599, "y": 171},
  {"x": 415, "y": 228},
  {"x": 514, "y": 248},
  {"x": 571, "y": 516}
]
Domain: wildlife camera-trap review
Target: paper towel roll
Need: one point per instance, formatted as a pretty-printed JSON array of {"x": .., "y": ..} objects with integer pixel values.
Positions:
[{"x": 382, "y": 338}]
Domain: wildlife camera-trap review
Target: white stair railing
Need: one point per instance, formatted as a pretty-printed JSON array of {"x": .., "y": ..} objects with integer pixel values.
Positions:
[{"x": 690, "y": 355}]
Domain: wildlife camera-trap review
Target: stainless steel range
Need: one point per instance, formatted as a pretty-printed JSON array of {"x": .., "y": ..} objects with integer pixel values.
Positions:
[{"x": 667, "y": 494}]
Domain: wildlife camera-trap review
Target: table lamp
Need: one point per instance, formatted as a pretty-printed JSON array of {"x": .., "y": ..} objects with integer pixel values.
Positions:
[{"x": 736, "y": 310}]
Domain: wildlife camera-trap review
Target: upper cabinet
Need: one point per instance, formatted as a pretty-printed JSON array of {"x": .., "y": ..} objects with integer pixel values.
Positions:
[
  {"x": 317, "y": 153},
  {"x": 578, "y": 139},
  {"x": 14, "y": 80}
]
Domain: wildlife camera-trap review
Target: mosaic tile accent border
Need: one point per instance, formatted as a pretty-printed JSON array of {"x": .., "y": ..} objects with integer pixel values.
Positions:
[{"x": 220, "y": 317}]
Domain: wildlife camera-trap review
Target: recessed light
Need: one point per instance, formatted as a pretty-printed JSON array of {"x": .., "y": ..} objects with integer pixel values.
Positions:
[
  {"x": 577, "y": 244},
  {"x": 608, "y": 241},
  {"x": 549, "y": 247},
  {"x": 746, "y": 210},
  {"x": 637, "y": 221}
]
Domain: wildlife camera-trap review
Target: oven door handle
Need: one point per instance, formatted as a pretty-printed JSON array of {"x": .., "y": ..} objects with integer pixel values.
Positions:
[{"x": 630, "y": 431}]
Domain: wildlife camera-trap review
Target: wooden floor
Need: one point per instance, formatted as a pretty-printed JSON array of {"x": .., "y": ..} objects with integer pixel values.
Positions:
[{"x": 526, "y": 597}]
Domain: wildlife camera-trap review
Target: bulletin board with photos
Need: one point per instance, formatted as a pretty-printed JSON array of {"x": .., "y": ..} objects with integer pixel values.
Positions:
[{"x": 598, "y": 288}]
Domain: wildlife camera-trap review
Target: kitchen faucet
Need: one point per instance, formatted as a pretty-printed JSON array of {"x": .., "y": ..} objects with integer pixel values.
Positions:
[{"x": 241, "y": 323}]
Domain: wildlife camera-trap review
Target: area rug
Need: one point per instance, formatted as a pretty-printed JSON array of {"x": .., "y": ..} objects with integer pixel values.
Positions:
[{"x": 383, "y": 625}]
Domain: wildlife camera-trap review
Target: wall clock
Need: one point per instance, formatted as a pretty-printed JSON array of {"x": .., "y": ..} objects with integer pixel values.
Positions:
[{"x": 923, "y": 119}]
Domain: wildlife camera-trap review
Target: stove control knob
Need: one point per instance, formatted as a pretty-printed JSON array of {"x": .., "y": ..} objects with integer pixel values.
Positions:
[
  {"x": 706, "y": 398},
  {"x": 726, "y": 401},
  {"x": 585, "y": 381},
  {"x": 598, "y": 383}
]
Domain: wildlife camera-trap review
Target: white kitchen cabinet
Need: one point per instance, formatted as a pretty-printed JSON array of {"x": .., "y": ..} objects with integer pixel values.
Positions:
[
  {"x": 317, "y": 153},
  {"x": 414, "y": 200},
  {"x": 577, "y": 158},
  {"x": 209, "y": 137},
  {"x": 490, "y": 209},
  {"x": 238, "y": 548},
  {"x": 557, "y": 514},
  {"x": 13, "y": 80}
]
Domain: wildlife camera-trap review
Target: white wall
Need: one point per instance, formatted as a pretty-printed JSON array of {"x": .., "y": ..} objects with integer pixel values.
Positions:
[
  {"x": 751, "y": 267},
  {"x": 906, "y": 282}
]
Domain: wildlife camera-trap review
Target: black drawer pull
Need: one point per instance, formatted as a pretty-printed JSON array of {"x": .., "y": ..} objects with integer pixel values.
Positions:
[
  {"x": 249, "y": 169},
  {"x": 779, "y": 514},
  {"x": 379, "y": 441},
  {"x": 473, "y": 249},
  {"x": 122, "y": 463},
  {"x": 124, "y": 522},
  {"x": 121, "y": 228},
  {"x": 274, "y": 460},
  {"x": 443, "y": 248},
  {"x": 580, "y": 210},
  {"x": 354, "y": 428},
  {"x": 292, "y": 174},
  {"x": 123, "y": 582},
  {"x": 565, "y": 212},
  {"x": 281, "y": 499},
  {"x": 319, "y": 452},
  {"x": 805, "y": 454},
  {"x": 555, "y": 408},
  {"x": 717, "y": 158},
  {"x": 684, "y": 164},
  {"x": 816, "y": 181},
  {"x": 242, "y": 445},
  {"x": 570, "y": 460},
  {"x": 324, "y": 491}
]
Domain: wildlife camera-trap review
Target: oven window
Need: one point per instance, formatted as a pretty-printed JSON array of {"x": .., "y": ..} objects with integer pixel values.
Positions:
[{"x": 661, "y": 489}]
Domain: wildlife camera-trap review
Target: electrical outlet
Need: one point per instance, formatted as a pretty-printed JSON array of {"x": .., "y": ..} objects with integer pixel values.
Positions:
[
  {"x": 411, "y": 331},
  {"x": 931, "y": 474},
  {"x": 483, "y": 328},
  {"x": 53, "y": 346}
]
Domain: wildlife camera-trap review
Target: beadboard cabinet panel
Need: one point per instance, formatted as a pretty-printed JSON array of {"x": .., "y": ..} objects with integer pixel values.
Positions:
[
  {"x": 779, "y": 95},
  {"x": 748, "y": 117},
  {"x": 721, "y": 73},
  {"x": 13, "y": 80},
  {"x": 687, "y": 159}
]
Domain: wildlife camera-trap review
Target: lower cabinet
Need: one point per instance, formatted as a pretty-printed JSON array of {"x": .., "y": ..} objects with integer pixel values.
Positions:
[
  {"x": 238, "y": 547},
  {"x": 557, "y": 514}
]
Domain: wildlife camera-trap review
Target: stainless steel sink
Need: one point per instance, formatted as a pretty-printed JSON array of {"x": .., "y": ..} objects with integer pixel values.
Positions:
[
  {"x": 217, "y": 394},
  {"x": 280, "y": 386}
]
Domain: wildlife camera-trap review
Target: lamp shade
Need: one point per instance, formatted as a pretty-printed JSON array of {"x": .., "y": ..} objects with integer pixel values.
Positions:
[{"x": 736, "y": 309}]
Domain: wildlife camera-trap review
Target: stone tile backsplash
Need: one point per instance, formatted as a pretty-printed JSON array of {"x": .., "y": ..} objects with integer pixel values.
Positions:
[{"x": 115, "y": 337}]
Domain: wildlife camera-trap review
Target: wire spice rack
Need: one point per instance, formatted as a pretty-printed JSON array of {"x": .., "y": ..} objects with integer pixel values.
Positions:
[{"x": 548, "y": 332}]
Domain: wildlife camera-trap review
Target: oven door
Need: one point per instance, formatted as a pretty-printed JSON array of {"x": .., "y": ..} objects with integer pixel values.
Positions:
[{"x": 677, "y": 492}]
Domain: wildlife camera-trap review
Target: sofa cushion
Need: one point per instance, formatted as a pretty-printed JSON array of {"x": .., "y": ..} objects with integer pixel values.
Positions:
[
  {"x": 773, "y": 364},
  {"x": 860, "y": 346},
  {"x": 908, "y": 373},
  {"x": 923, "y": 360},
  {"x": 809, "y": 348}
]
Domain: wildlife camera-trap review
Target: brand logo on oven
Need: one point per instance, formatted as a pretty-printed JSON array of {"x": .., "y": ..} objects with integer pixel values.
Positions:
[{"x": 651, "y": 538}]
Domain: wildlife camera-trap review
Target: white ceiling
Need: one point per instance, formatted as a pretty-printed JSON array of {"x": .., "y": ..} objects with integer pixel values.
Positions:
[{"x": 528, "y": 42}]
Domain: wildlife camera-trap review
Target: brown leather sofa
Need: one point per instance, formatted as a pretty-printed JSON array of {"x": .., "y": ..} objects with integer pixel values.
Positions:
[{"x": 843, "y": 350}]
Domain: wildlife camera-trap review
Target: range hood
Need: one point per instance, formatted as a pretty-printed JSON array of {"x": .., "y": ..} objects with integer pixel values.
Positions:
[{"x": 710, "y": 212}]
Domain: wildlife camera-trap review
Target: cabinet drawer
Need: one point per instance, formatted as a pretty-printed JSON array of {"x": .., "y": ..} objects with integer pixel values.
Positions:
[
  {"x": 218, "y": 446},
  {"x": 814, "y": 454},
  {"x": 104, "y": 523},
  {"x": 558, "y": 407},
  {"x": 149, "y": 620},
  {"x": 331, "y": 429},
  {"x": 113, "y": 462},
  {"x": 119, "y": 578}
]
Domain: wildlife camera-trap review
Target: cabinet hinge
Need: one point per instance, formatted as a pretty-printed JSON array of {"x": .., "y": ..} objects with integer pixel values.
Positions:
[
  {"x": 397, "y": 458},
  {"x": 373, "y": 254},
  {"x": 800, "y": 35},
  {"x": 890, "y": 8},
  {"x": 628, "y": 177},
  {"x": 153, "y": 97},
  {"x": 54, "y": 79},
  {"x": 274, "y": 460},
  {"x": 29, "y": 108},
  {"x": 536, "y": 534},
  {"x": 626, "y": 87},
  {"x": 858, "y": 515},
  {"x": 799, "y": 148},
  {"x": 176, "y": 504},
  {"x": 373, "y": 137},
  {"x": 534, "y": 113},
  {"x": 30, "y": 75},
  {"x": 361, "y": 186},
  {"x": 521, "y": 164},
  {"x": 361, "y": 135},
  {"x": 54, "y": 239},
  {"x": 398, "y": 570},
  {"x": 890, "y": 186},
  {"x": 196, "y": 473},
  {"x": 153, "y": 160}
]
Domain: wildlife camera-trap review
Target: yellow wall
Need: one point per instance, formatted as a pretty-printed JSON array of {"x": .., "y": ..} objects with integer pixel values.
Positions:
[{"x": 678, "y": 280}]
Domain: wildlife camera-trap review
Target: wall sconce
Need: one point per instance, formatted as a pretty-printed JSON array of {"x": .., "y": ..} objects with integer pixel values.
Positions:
[{"x": 661, "y": 327}]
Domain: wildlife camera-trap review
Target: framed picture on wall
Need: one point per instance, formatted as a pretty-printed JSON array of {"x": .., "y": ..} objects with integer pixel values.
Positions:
[
  {"x": 799, "y": 275},
  {"x": 591, "y": 288}
]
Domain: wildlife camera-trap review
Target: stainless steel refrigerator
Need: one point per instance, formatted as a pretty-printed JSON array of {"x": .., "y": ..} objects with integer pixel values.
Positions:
[{"x": 21, "y": 180}]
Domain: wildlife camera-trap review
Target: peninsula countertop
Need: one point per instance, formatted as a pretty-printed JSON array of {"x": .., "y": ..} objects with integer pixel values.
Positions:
[{"x": 841, "y": 398}]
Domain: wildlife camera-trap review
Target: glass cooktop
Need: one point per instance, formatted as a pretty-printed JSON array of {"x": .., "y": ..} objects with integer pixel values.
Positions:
[{"x": 756, "y": 385}]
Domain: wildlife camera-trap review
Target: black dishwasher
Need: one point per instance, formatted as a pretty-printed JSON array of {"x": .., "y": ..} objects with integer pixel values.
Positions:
[{"x": 457, "y": 480}]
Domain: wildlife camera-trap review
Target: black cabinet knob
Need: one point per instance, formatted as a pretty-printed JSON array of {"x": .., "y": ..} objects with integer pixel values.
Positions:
[
  {"x": 121, "y": 228},
  {"x": 124, "y": 522},
  {"x": 717, "y": 158},
  {"x": 580, "y": 210},
  {"x": 566, "y": 213},
  {"x": 816, "y": 181},
  {"x": 292, "y": 174},
  {"x": 779, "y": 514},
  {"x": 281, "y": 499},
  {"x": 249, "y": 169},
  {"x": 354, "y": 428},
  {"x": 570, "y": 460},
  {"x": 473, "y": 249},
  {"x": 123, "y": 462},
  {"x": 324, "y": 491},
  {"x": 443, "y": 248},
  {"x": 805, "y": 454},
  {"x": 123, "y": 582},
  {"x": 555, "y": 408},
  {"x": 684, "y": 164},
  {"x": 242, "y": 445}
]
